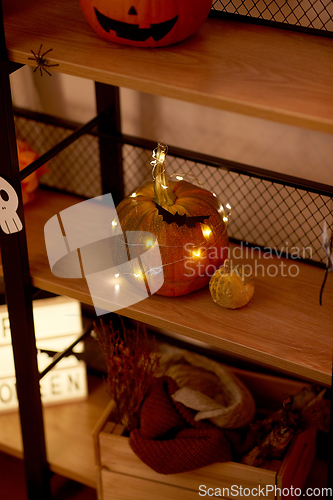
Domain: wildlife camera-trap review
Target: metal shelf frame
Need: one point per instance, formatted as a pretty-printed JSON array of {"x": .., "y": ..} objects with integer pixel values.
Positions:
[
  {"x": 18, "y": 289},
  {"x": 19, "y": 302}
]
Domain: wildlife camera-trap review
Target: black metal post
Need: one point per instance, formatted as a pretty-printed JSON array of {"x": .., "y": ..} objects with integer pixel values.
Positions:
[
  {"x": 18, "y": 296},
  {"x": 107, "y": 99}
]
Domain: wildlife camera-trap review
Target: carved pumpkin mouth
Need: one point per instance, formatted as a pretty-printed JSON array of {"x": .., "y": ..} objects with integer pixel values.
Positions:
[{"x": 132, "y": 31}]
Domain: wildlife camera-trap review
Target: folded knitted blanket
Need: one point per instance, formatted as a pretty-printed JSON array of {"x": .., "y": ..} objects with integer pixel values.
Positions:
[
  {"x": 169, "y": 439},
  {"x": 208, "y": 387}
]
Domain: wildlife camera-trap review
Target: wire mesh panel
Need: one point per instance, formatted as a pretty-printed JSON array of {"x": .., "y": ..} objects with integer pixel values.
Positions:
[
  {"x": 283, "y": 218},
  {"x": 269, "y": 214},
  {"x": 76, "y": 169},
  {"x": 314, "y": 14}
]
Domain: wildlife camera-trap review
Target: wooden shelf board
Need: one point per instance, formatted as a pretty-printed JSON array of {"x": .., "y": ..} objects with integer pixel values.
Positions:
[
  {"x": 68, "y": 430},
  {"x": 283, "y": 327},
  {"x": 265, "y": 72}
]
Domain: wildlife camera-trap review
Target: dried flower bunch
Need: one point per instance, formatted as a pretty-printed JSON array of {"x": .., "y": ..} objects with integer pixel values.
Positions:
[{"x": 132, "y": 362}]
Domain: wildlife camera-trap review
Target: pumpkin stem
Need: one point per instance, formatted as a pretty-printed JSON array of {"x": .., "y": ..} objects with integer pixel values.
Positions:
[
  {"x": 227, "y": 266},
  {"x": 164, "y": 196}
]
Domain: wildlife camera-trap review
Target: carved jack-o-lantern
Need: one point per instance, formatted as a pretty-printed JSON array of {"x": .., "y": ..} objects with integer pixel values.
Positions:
[{"x": 145, "y": 23}]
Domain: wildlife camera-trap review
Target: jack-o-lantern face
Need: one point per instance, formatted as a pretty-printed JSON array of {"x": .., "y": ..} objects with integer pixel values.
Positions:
[{"x": 145, "y": 23}]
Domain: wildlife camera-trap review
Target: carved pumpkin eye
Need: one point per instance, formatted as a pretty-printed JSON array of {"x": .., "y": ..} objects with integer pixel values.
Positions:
[{"x": 143, "y": 23}]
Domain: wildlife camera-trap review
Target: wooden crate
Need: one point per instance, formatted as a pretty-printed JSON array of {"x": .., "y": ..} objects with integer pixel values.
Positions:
[{"x": 123, "y": 476}]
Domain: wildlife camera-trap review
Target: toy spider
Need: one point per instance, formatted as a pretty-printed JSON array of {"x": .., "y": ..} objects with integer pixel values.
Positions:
[{"x": 41, "y": 61}]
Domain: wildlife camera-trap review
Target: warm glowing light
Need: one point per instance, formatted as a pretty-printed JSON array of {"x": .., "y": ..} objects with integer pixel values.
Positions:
[
  {"x": 164, "y": 187},
  {"x": 206, "y": 231},
  {"x": 116, "y": 287},
  {"x": 149, "y": 243},
  {"x": 116, "y": 275},
  {"x": 139, "y": 275},
  {"x": 179, "y": 178},
  {"x": 196, "y": 253},
  {"x": 225, "y": 219},
  {"x": 133, "y": 195},
  {"x": 228, "y": 206},
  {"x": 114, "y": 223},
  {"x": 221, "y": 209},
  {"x": 214, "y": 194}
]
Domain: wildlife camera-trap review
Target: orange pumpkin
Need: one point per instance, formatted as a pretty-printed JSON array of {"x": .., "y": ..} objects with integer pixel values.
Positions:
[
  {"x": 231, "y": 287},
  {"x": 27, "y": 155},
  {"x": 145, "y": 23},
  {"x": 188, "y": 224}
]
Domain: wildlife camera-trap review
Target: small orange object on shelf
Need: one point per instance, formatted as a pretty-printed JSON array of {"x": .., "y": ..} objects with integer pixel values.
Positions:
[{"x": 27, "y": 155}]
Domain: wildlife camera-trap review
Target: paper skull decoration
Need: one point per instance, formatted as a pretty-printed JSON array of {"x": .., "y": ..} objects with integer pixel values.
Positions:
[
  {"x": 9, "y": 220},
  {"x": 145, "y": 23}
]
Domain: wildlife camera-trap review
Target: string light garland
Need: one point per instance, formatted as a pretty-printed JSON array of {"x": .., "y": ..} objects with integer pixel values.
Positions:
[{"x": 198, "y": 251}]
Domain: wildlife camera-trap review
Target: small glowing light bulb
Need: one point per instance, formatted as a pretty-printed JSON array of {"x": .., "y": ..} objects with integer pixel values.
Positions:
[
  {"x": 139, "y": 275},
  {"x": 228, "y": 206},
  {"x": 149, "y": 243},
  {"x": 196, "y": 253},
  {"x": 179, "y": 178},
  {"x": 225, "y": 219},
  {"x": 133, "y": 195},
  {"x": 214, "y": 194},
  {"x": 206, "y": 231},
  {"x": 114, "y": 223},
  {"x": 116, "y": 275},
  {"x": 116, "y": 287}
]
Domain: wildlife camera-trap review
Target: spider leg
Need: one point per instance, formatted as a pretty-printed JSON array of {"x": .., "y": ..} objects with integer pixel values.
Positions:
[
  {"x": 46, "y": 71},
  {"x": 40, "y": 69},
  {"x": 40, "y": 48},
  {"x": 36, "y": 68},
  {"x": 50, "y": 65},
  {"x": 33, "y": 55},
  {"x": 42, "y": 56}
]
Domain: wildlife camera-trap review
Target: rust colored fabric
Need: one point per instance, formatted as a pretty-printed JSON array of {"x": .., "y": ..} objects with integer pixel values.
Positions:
[{"x": 169, "y": 440}]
